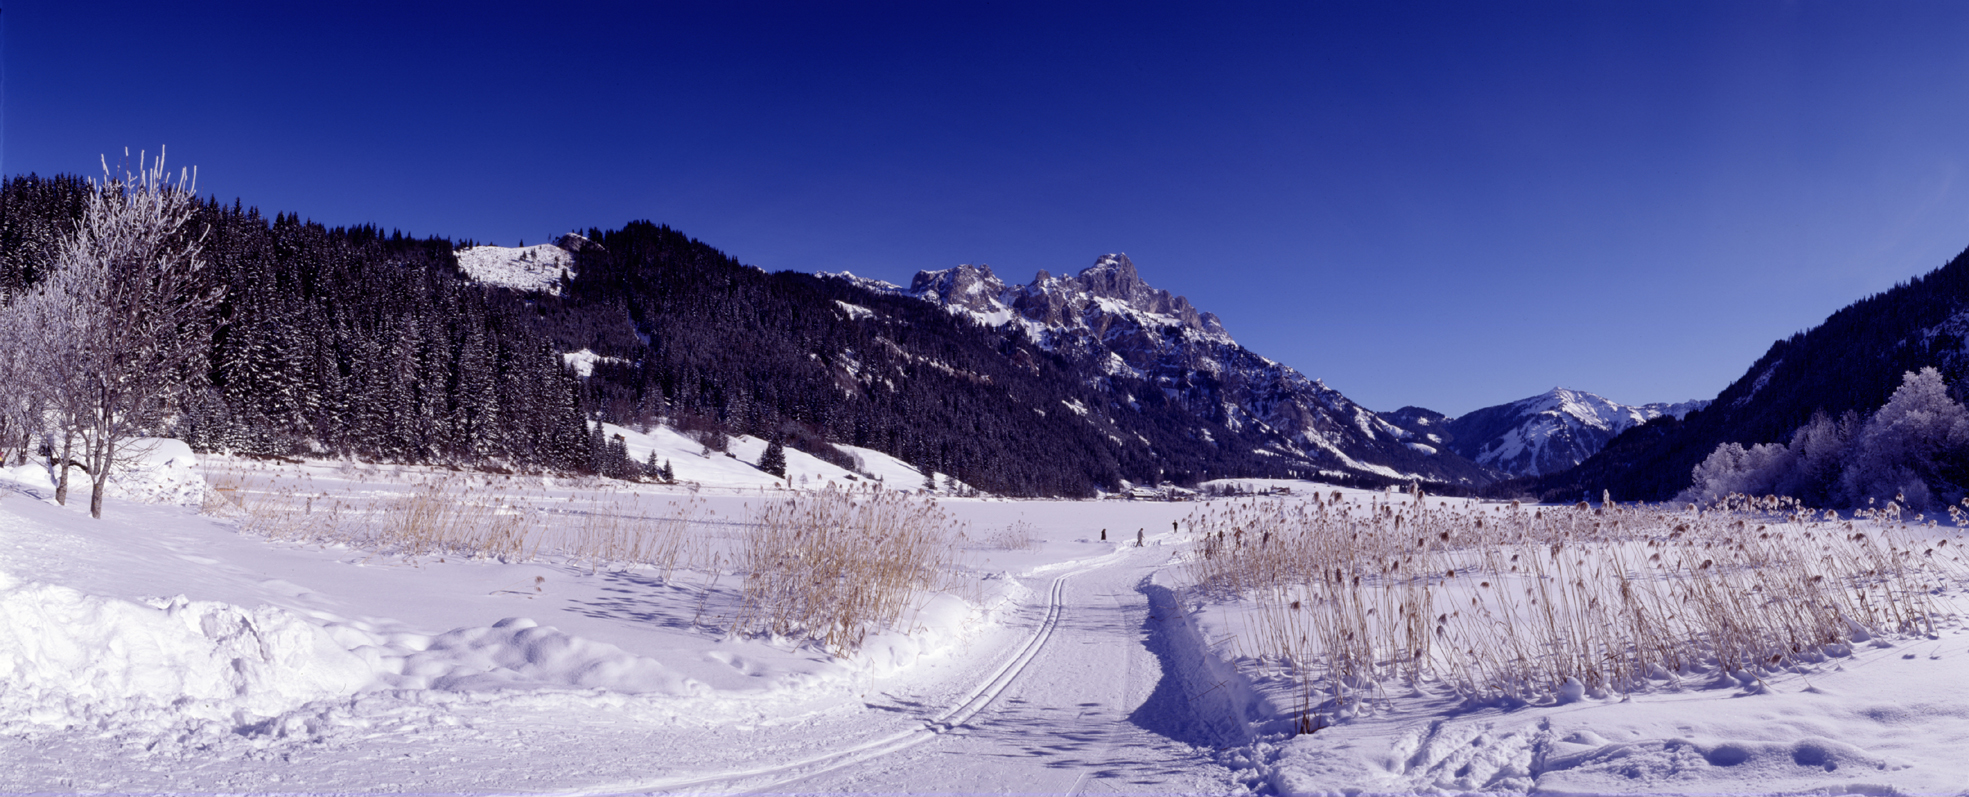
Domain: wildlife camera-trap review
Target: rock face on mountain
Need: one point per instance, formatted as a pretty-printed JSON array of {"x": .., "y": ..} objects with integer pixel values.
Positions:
[
  {"x": 1107, "y": 317},
  {"x": 1549, "y": 432}
]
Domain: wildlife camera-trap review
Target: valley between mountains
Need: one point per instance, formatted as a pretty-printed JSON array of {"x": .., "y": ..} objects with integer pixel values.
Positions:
[{"x": 620, "y": 514}]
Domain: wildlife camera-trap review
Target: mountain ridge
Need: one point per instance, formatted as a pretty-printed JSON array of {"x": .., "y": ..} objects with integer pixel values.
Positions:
[
  {"x": 1852, "y": 361},
  {"x": 1549, "y": 432},
  {"x": 1107, "y": 317}
]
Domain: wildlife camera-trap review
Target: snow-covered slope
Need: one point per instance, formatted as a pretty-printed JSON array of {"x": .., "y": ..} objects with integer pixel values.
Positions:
[
  {"x": 738, "y": 465},
  {"x": 1108, "y": 317},
  {"x": 522, "y": 268},
  {"x": 539, "y": 268},
  {"x": 1549, "y": 432}
]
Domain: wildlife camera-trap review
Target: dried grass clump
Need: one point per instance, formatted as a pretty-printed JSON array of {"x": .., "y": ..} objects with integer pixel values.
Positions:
[
  {"x": 832, "y": 566},
  {"x": 458, "y": 515},
  {"x": 1530, "y": 604},
  {"x": 1015, "y": 536}
]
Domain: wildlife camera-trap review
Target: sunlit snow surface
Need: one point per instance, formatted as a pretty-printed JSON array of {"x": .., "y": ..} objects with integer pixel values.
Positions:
[
  {"x": 522, "y": 268},
  {"x": 161, "y": 650}
]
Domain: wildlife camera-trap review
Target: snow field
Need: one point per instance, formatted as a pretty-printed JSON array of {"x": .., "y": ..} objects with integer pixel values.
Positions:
[
  {"x": 566, "y": 668},
  {"x": 833, "y": 565},
  {"x": 581, "y": 651},
  {"x": 216, "y": 664}
]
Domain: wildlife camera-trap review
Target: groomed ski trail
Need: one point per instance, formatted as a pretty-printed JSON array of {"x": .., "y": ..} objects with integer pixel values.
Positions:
[
  {"x": 767, "y": 778},
  {"x": 1106, "y": 697}
]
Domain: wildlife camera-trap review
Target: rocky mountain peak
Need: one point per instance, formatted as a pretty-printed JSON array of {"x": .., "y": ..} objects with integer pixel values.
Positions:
[
  {"x": 1148, "y": 342},
  {"x": 1113, "y": 276},
  {"x": 1091, "y": 299},
  {"x": 970, "y": 287}
]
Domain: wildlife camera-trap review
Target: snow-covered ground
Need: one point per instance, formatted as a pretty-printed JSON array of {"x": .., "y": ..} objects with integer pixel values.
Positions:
[
  {"x": 736, "y": 468},
  {"x": 522, "y": 268},
  {"x": 165, "y": 650}
]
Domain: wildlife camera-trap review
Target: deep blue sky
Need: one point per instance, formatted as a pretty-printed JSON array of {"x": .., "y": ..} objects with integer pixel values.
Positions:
[{"x": 1450, "y": 205}]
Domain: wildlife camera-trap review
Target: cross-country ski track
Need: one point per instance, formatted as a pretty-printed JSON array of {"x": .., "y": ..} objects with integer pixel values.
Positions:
[{"x": 1091, "y": 701}]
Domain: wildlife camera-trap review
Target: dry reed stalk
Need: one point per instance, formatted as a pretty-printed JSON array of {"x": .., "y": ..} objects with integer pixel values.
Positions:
[
  {"x": 832, "y": 567},
  {"x": 1528, "y": 603}
]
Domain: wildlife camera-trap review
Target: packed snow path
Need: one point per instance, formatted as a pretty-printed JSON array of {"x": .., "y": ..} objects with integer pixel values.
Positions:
[{"x": 1098, "y": 699}]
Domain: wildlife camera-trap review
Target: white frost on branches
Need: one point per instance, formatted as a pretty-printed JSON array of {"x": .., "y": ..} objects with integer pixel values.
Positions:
[
  {"x": 1913, "y": 451},
  {"x": 118, "y": 327}
]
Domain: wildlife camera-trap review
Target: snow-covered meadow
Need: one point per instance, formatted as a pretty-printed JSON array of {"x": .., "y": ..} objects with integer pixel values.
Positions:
[{"x": 257, "y": 626}]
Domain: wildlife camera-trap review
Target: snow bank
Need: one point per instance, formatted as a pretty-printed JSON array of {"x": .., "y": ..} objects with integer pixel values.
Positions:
[
  {"x": 938, "y": 626},
  {"x": 32, "y": 476},
  {"x": 515, "y": 653},
  {"x": 69, "y": 659},
  {"x": 162, "y": 471}
]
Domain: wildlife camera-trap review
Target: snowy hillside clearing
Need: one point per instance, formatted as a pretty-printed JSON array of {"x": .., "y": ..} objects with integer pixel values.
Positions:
[
  {"x": 735, "y": 469},
  {"x": 537, "y": 268}
]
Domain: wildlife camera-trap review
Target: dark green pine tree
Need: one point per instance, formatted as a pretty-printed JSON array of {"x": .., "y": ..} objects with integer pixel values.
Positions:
[{"x": 774, "y": 460}]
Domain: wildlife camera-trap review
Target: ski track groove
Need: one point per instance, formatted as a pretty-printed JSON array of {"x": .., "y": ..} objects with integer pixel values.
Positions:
[{"x": 765, "y": 778}]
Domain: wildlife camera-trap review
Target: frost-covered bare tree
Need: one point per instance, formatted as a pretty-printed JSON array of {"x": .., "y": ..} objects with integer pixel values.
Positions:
[
  {"x": 1913, "y": 451},
  {"x": 44, "y": 330},
  {"x": 129, "y": 275},
  {"x": 1906, "y": 449},
  {"x": 19, "y": 400}
]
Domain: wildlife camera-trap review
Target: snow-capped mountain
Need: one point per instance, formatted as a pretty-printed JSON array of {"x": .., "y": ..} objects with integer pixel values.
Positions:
[
  {"x": 1546, "y": 433},
  {"x": 1134, "y": 334}
]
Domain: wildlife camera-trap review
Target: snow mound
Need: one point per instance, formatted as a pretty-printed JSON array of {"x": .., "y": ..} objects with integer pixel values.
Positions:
[
  {"x": 518, "y": 653},
  {"x": 164, "y": 471},
  {"x": 69, "y": 659},
  {"x": 158, "y": 470},
  {"x": 522, "y": 268}
]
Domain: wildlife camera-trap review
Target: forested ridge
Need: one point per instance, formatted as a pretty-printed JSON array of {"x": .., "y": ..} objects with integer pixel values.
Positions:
[
  {"x": 1854, "y": 361},
  {"x": 700, "y": 339},
  {"x": 342, "y": 341},
  {"x": 354, "y": 342}
]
